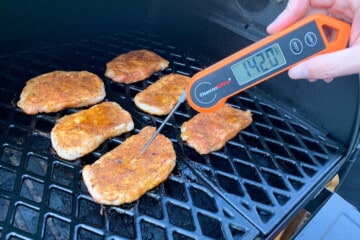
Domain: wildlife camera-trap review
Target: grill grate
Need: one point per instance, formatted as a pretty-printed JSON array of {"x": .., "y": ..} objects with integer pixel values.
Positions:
[{"x": 239, "y": 192}]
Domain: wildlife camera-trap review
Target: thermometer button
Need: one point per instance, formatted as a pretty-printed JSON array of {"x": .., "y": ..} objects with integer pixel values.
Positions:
[
  {"x": 310, "y": 39},
  {"x": 296, "y": 46}
]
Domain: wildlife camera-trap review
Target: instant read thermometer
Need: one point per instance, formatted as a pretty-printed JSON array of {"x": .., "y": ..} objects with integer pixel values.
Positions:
[
  {"x": 210, "y": 88},
  {"x": 311, "y": 36}
]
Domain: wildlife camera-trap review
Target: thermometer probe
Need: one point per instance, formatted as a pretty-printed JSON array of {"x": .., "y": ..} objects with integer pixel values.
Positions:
[{"x": 317, "y": 34}]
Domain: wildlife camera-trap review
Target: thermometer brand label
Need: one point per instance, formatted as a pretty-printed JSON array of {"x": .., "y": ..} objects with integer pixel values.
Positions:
[{"x": 217, "y": 87}]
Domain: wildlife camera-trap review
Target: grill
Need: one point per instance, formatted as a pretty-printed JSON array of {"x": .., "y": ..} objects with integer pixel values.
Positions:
[{"x": 247, "y": 190}]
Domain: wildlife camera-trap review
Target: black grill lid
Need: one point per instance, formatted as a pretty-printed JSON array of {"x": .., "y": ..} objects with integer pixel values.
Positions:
[{"x": 245, "y": 190}]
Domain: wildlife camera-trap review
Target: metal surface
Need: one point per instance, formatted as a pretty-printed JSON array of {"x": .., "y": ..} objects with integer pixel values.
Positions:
[{"x": 242, "y": 191}]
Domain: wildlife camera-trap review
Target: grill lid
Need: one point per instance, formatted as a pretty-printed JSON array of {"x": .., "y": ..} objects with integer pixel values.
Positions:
[{"x": 244, "y": 190}]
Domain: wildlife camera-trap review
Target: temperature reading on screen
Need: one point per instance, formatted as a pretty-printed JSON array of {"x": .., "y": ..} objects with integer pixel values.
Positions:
[{"x": 258, "y": 64}]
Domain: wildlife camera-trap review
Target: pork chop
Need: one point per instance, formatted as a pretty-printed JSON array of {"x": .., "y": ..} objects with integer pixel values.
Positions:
[
  {"x": 161, "y": 97},
  {"x": 207, "y": 132},
  {"x": 134, "y": 66},
  {"x": 78, "y": 134},
  {"x": 55, "y": 91},
  {"x": 123, "y": 176}
]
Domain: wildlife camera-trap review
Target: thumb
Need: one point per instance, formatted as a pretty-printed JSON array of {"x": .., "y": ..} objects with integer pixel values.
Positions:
[{"x": 328, "y": 66}]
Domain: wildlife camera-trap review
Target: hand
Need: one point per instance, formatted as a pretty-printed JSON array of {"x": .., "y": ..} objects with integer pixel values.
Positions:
[{"x": 330, "y": 65}]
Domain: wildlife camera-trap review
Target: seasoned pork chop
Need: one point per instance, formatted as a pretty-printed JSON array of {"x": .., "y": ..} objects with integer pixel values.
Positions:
[
  {"x": 134, "y": 66},
  {"x": 207, "y": 132},
  {"x": 78, "y": 134},
  {"x": 55, "y": 91},
  {"x": 123, "y": 176},
  {"x": 160, "y": 97}
]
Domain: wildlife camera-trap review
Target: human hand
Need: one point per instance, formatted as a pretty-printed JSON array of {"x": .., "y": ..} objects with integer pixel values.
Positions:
[{"x": 330, "y": 65}]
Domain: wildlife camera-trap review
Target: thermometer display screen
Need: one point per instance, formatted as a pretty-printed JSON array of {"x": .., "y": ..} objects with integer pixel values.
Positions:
[{"x": 258, "y": 64}]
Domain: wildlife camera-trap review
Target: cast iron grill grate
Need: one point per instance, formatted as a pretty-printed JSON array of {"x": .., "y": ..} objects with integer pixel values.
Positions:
[{"x": 239, "y": 192}]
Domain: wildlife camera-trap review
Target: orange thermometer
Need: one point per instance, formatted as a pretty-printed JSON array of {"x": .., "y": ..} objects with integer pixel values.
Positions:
[{"x": 311, "y": 36}]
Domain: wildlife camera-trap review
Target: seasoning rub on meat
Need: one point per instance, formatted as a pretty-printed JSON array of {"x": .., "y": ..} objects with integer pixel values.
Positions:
[
  {"x": 123, "y": 175},
  {"x": 134, "y": 66},
  {"x": 207, "y": 132},
  {"x": 78, "y": 134},
  {"x": 160, "y": 97},
  {"x": 57, "y": 90}
]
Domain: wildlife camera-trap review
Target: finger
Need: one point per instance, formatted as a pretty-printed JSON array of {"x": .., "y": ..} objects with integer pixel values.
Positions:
[
  {"x": 328, "y": 80},
  {"x": 295, "y": 10},
  {"x": 355, "y": 30},
  {"x": 325, "y": 80},
  {"x": 343, "y": 10},
  {"x": 328, "y": 66},
  {"x": 322, "y": 3}
]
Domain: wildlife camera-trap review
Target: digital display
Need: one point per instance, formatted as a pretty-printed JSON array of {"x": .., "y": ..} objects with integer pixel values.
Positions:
[{"x": 258, "y": 64}]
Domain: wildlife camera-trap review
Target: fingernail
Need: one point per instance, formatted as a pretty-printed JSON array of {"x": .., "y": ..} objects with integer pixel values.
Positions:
[
  {"x": 328, "y": 79},
  {"x": 269, "y": 28},
  {"x": 299, "y": 72}
]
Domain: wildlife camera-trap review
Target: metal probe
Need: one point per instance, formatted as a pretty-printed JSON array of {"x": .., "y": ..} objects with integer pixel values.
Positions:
[{"x": 181, "y": 100}]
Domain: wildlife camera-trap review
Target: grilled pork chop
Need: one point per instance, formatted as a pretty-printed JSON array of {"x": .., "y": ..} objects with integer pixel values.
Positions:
[
  {"x": 207, "y": 132},
  {"x": 55, "y": 91},
  {"x": 161, "y": 97},
  {"x": 78, "y": 134},
  {"x": 134, "y": 66},
  {"x": 123, "y": 176}
]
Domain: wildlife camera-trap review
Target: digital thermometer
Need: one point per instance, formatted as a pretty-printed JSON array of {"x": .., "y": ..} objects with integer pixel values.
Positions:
[{"x": 311, "y": 36}]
